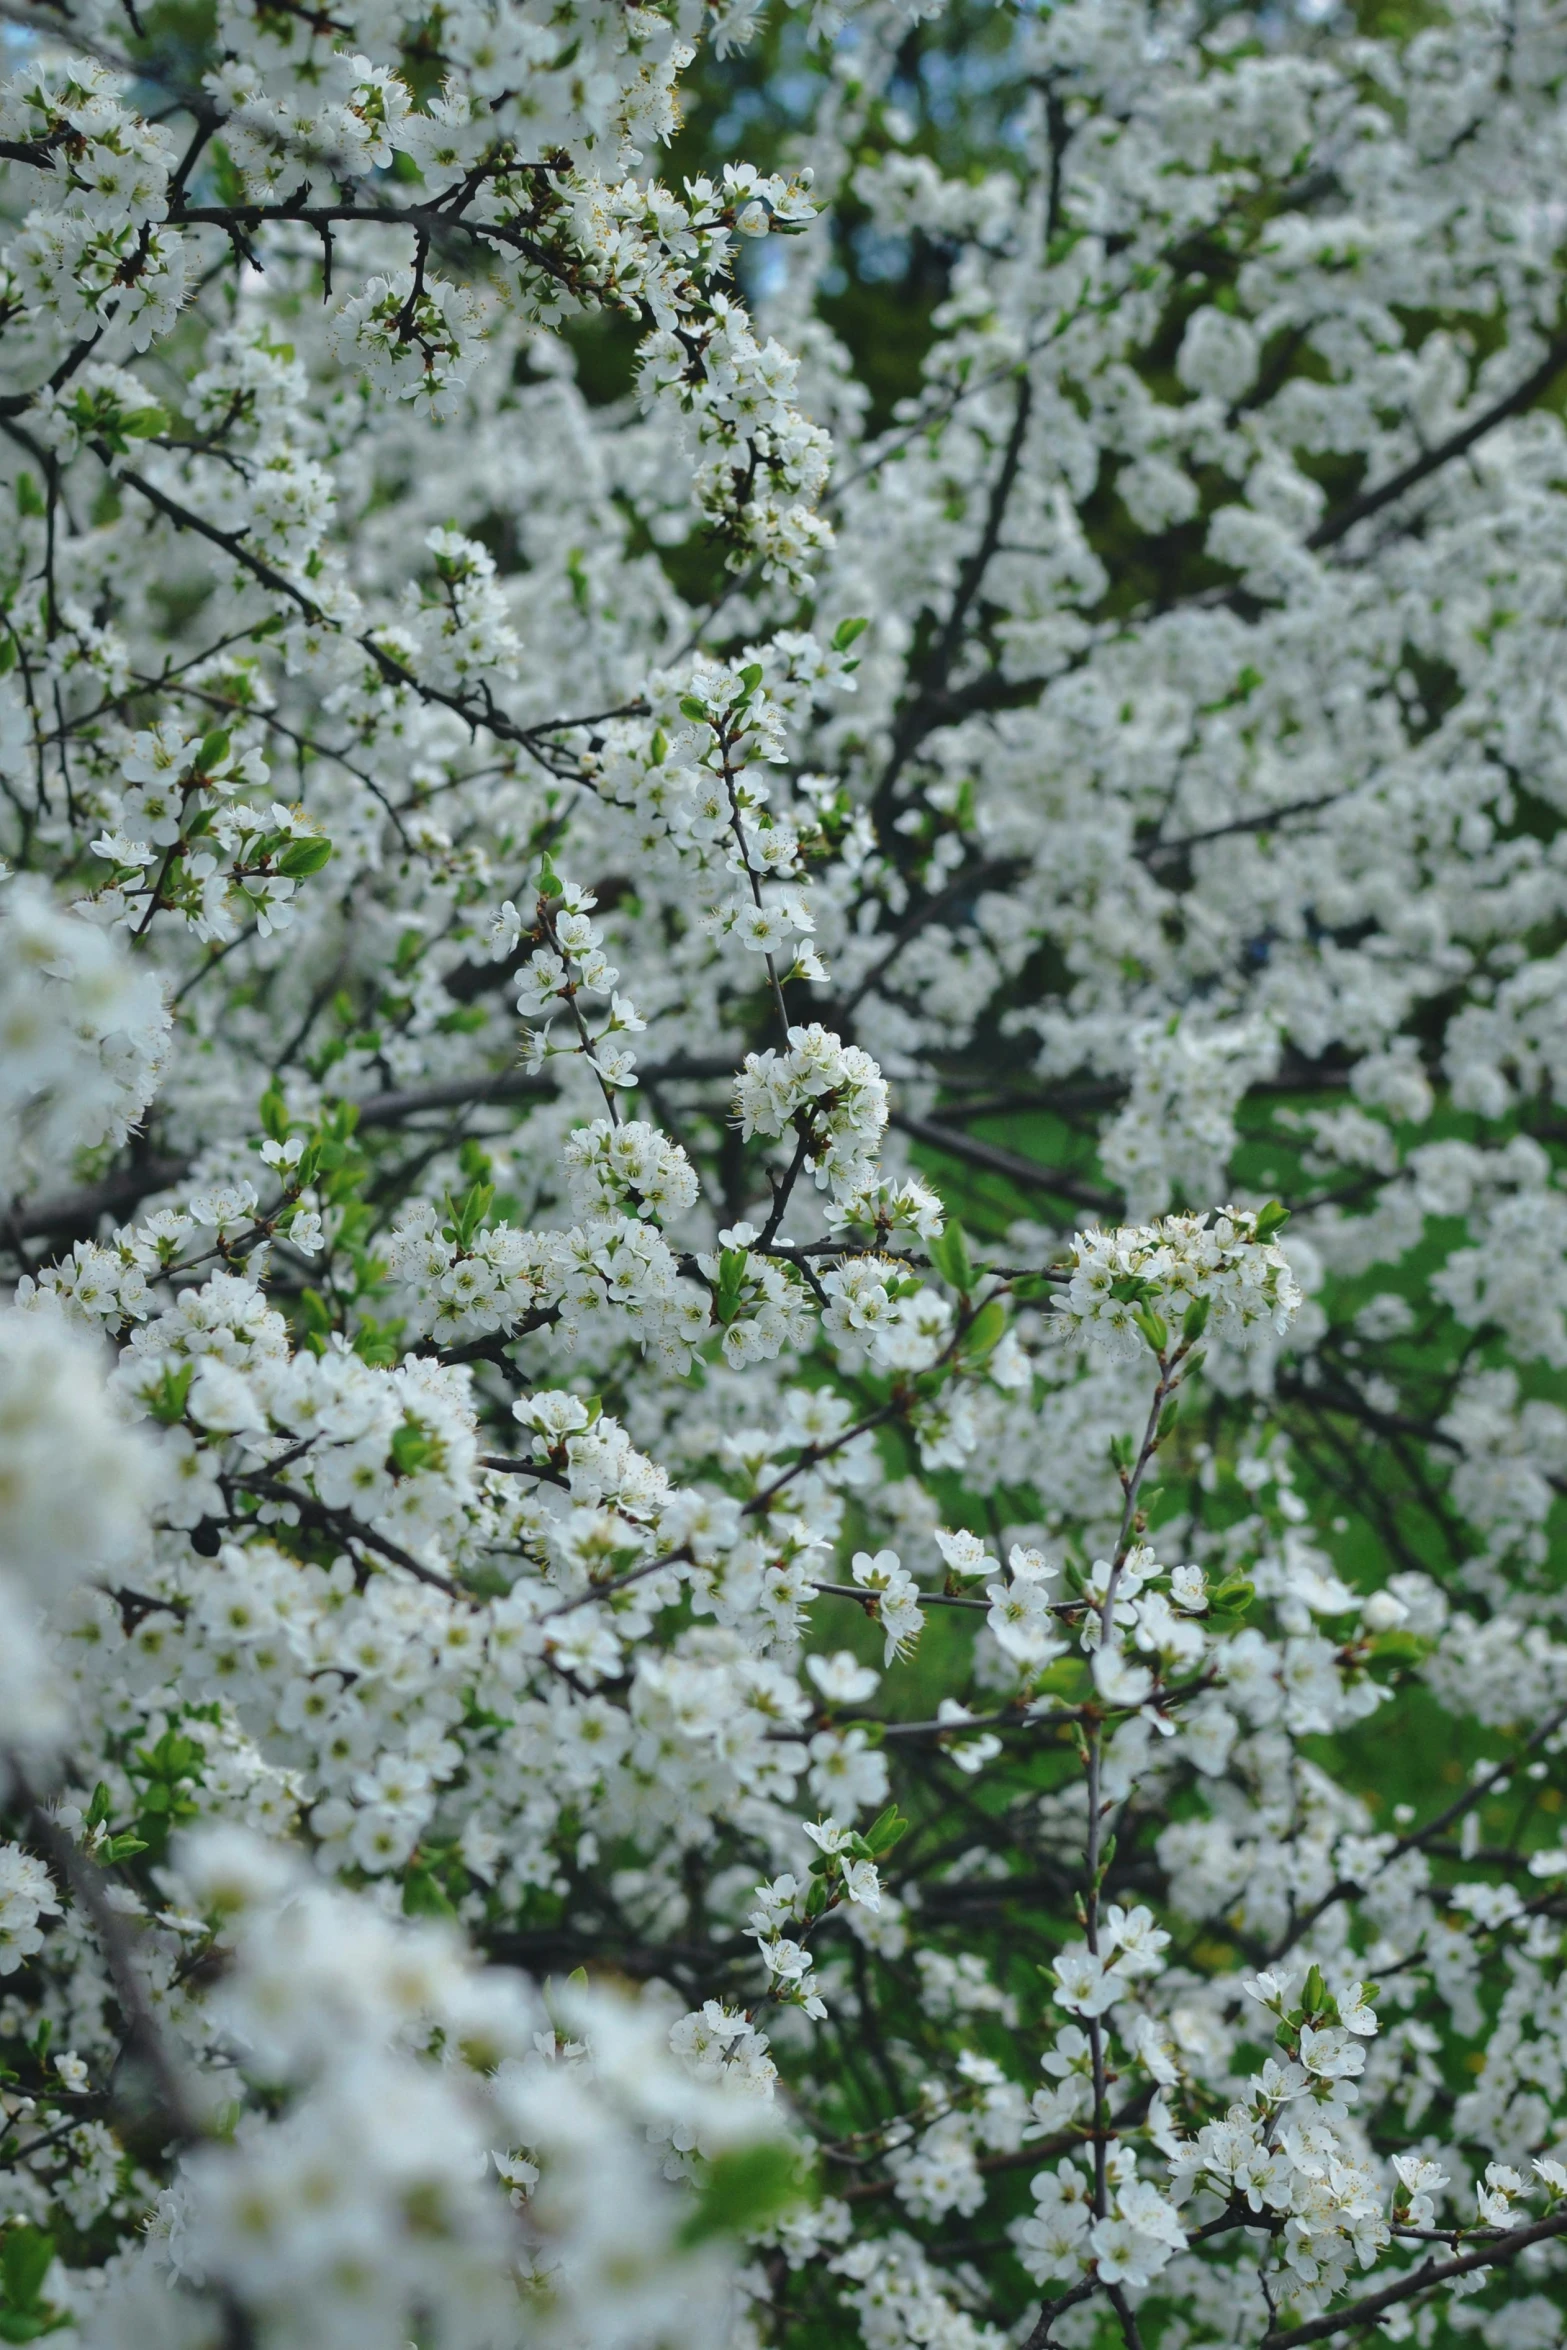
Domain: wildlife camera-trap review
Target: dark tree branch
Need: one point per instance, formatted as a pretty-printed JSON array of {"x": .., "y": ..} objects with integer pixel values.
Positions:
[
  {"x": 923, "y": 711},
  {"x": 997, "y": 1161},
  {"x": 1334, "y": 526},
  {"x": 992, "y": 872},
  {"x": 1365, "y": 2312}
]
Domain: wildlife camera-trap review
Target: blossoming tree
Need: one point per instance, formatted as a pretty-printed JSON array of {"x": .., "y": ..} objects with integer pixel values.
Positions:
[{"x": 779, "y": 1426}]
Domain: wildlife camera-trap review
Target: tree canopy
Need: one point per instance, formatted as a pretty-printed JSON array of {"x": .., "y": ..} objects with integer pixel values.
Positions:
[{"x": 783, "y": 1023}]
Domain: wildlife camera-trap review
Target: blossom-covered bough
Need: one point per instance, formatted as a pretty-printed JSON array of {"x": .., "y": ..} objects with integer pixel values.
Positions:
[{"x": 617, "y": 1729}]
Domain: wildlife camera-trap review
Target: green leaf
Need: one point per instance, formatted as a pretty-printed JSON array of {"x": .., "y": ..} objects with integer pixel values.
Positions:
[
  {"x": 274, "y": 1114},
  {"x": 884, "y": 1832},
  {"x": 378, "y": 1343},
  {"x": 1231, "y": 1601},
  {"x": 1153, "y": 1327},
  {"x": 741, "y": 2189},
  {"x": 167, "y": 1402},
  {"x": 986, "y": 1330},
  {"x": 24, "y": 2263},
  {"x": 303, "y": 857},
  {"x": 424, "y": 1896},
  {"x": 1272, "y": 1219},
  {"x": 1195, "y": 1320},
  {"x": 468, "y": 1215},
  {"x": 693, "y": 709},
  {"x": 949, "y": 1253},
  {"x": 29, "y": 498},
  {"x": 145, "y": 424},
  {"x": 1129, "y": 1289},
  {"x": 732, "y": 1266},
  {"x": 1393, "y": 1650},
  {"x": 412, "y": 1447},
  {"x": 848, "y": 632},
  {"x": 213, "y": 750},
  {"x": 315, "y": 1312}
]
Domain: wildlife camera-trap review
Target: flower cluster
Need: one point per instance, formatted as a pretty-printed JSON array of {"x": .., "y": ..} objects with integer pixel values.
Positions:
[
  {"x": 26, "y": 1895},
  {"x": 57, "y": 1525},
  {"x": 1229, "y": 1264},
  {"x": 829, "y": 1093},
  {"x": 85, "y": 1035},
  {"x": 183, "y": 841},
  {"x": 344, "y": 2009}
]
